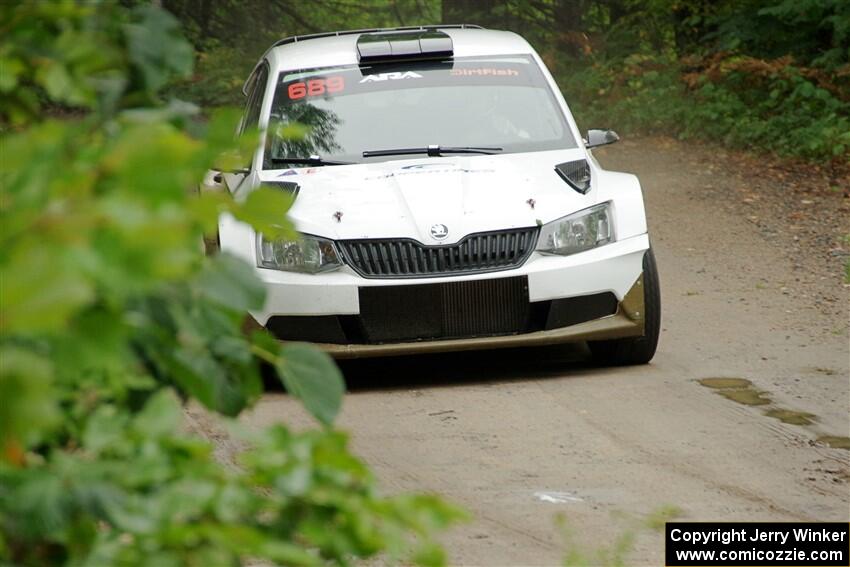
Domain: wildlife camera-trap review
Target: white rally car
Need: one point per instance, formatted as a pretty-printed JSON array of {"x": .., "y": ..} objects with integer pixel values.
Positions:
[{"x": 445, "y": 200}]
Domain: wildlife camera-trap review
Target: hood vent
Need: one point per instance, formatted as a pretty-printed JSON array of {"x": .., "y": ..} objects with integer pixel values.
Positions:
[
  {"x": 576, "y": 173},
  {"x": 285, "y": 186}
]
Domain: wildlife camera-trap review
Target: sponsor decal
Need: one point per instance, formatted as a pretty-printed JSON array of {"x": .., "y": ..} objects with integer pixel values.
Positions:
[
  {"x": 316, "y": 87},
  {"x": 419, "y": 170},
  {"x": 483, "y": 72},
  {"x": 390, "y": 77},
  {"x": 426, "y": 165}
]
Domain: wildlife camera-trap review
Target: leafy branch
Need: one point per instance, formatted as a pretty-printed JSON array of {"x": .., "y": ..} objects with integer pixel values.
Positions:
[{"x": 112, "y": 318}]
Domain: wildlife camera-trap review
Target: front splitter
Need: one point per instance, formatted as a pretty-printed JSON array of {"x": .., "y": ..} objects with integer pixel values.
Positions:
[
  {"x": 614, "y": 326},
  {"x": 628, "y": 321}
]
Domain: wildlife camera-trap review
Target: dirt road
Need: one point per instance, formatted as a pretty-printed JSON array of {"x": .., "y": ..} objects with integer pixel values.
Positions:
[{"x": 519, "y": 436}]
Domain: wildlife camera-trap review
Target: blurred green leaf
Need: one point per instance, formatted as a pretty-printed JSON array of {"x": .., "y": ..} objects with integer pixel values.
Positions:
[
  {"x": 104, "y": 427},
  {"x": 157, "y": 47},
  {"x": 311, "y": 375},
  {"x": 29, "y": 409},
  {"x": 41, "y": 290},
  {"x": 231, "y": 282},
  {"x": 160, "y": 415},
  {"x": 112, "y": 317},
  {"x": 265, "y": 209}
]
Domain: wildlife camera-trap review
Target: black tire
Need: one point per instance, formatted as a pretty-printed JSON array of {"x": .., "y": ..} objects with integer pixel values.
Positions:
[{"x": 636, "y": 350}]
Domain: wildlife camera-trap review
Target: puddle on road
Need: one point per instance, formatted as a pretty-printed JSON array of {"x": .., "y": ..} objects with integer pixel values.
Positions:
[
  {"x": 725, "y": 383},
  {"x": 792, "y": 417},
  {"x": 835, "y": 441},
  {"x": 742, "y": 391},
  {"x": 746, "y": 396},
  {"x": 737, "y": 389}
]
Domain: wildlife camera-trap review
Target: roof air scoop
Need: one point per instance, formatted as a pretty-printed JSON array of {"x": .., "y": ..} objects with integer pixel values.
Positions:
[
  {"x": 405, "y": 45},
  {"x": 576, "y": 174}
]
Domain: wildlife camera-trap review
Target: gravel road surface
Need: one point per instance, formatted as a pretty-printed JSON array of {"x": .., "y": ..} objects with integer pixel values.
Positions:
[{"x": 519, "y": 437}]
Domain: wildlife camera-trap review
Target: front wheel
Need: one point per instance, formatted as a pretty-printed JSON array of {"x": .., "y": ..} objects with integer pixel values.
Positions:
[{"x": 636, "y": 350}]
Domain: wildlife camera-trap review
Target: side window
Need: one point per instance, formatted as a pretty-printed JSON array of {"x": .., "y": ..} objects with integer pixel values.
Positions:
[{"x": 255, "y": 98}]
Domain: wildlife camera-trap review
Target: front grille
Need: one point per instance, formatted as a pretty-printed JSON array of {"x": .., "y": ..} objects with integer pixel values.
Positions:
[
  {"x": 443, "y": 311},
  {"x": 406, "y": 258}
]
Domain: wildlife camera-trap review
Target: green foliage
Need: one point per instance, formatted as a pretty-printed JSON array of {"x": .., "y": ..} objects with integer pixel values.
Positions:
[
  {"x": 75, "y": 59},
  {"x": 135, "y": 492},
  {"x": 660, "y": 516},
  {"x": 769, "y": 75},
  {"x": 219, "y": 75},
  {"x": 743, "y": 102},
  {"x": 311, "y": 377},
  {"x": 640, "y": 92},
  {"x": 228, "y": 47},
  {"x": 796, "y": 118},
  {"x": 815, "y": 32},
  {"x": 111, "y": 316}
]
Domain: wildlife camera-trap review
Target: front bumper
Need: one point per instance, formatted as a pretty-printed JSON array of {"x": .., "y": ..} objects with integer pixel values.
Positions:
[
  {"x": 626, "y": 322},
  {"x": 613, "y": 270}
]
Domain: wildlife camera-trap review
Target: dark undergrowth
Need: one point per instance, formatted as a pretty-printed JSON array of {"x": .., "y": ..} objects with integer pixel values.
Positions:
[{"x": 771, "y": 106}]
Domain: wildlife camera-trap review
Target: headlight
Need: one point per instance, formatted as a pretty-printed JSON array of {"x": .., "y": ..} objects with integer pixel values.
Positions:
[
  {"x": 309, "y": 254},
  {"x": 577, "y": 232}
]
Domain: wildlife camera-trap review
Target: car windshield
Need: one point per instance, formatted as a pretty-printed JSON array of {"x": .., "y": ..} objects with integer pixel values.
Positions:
[{"x": 340, "y": 112}]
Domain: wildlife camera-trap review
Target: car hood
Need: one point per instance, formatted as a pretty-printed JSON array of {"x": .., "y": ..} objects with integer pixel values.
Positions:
[{"x": 407, "y": 198}]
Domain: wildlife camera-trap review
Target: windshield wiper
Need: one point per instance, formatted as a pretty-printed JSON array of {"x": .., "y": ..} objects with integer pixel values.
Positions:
[
  {"x": 309, "y": 160},
  {"x": 432, "y": 150}
]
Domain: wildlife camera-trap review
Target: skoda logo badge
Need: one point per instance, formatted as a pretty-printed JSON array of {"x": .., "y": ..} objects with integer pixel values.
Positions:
[{"x": 439, "y": 231}]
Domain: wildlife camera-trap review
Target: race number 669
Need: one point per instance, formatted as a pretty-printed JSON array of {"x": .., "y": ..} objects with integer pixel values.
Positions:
[{"x": 316, "y": 87}]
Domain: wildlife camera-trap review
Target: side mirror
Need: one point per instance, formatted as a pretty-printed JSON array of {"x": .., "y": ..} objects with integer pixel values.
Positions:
[
  {"x": 598, "y": 137},
  {"x": 223, "y": 179},
  {"x": 219, "y": 171}
]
